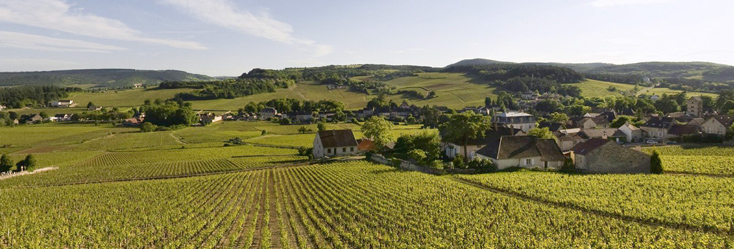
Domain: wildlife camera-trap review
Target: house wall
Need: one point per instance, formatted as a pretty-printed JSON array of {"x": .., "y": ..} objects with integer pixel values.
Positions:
[
  {"x": 319, "y": 151},
  {"x": 712, "y": 126},
  {"x": 613, "y": 159},
  {"x": 536, "y": 162},
  {"x": 451, "y": 150},
  {"x": 694, "y": 107},
  {"x": 318, "y": 148},
  {"x": 655, "y": 133}
]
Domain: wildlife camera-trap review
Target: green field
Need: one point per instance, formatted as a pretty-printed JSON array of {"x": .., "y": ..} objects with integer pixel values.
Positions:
[
  {"x": 132, "y": 97},
  {"x": 595, "y": 88}
]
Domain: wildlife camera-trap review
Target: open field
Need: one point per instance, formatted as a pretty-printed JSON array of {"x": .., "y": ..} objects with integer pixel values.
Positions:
[
  {"x": 132, "y": 97},
  {"x": 355, "y": 205},
  {"x": 697, "y": 159},
  {"x": 595, "y": 88}
]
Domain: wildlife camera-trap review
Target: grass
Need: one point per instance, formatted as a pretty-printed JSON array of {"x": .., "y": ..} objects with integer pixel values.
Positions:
[
  {"x": 132, "y": 97},
  {"x": 596, "y": 88}
]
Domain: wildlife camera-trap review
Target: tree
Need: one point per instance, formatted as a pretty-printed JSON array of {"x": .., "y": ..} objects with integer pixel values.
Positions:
[
  {"x": 558, "y": 117},
  {"x": 90, "y": 104},
  {"x": 379, "y": 130},
  {"x": 5, "y": 163},
  {"x": 321, "y": 126},
  {"x": 463, "y": 127},
  {"x": 487, "y": 102},
  {"x": 285, "y": 121},
  {"x": 148, "y": 127},
  {"x": 667, "y": 105},
  {"x": 656, "y": 165},
  {"x": 43, "y": 114},
  {"x": 303, "y": 129},
  {"x": 542, "y": 133},
  {"x": 621, "y": 120},
  {"x": 27, "y": 163},
  {"x": 13, "y": 115}
]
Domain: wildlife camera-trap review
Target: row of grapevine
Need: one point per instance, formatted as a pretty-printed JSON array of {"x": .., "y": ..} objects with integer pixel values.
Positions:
[{"x": 340, "y": 205}]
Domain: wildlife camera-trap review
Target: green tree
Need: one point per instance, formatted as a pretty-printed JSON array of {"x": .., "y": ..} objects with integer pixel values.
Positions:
[
  {"x": 379, "y": 130},
  {"x": 43, "y": 114},
  {"x": 5, "y": 163},
  {"x": 558, "y": 117},
  {"x": 148, "y": 127},
  {"x": 542, "y": 133},
  {"x": 28, "y": 163},
  {"x": 621, "y": 120},
  {"x": 463, "y": 127},
  {"x": 667, "y": 105},
  {"x": 321, "y": 126},
  {"x": 656, "y": 165},
  {"x": 90, "y": 104}
]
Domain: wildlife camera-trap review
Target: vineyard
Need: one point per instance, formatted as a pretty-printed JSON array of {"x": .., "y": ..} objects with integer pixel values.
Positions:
[
  {"x": 697, "y": 159},
  {"x": 699, "y": 202},
  {"x": 335, "y": 205}
]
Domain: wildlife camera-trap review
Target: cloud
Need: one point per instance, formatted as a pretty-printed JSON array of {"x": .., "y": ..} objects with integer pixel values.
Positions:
[
  {"x": 225, "y": 14},
  {"x": 45, "y": 43},
  {"x": 610, "y": 3},
  {"x": 58, "y": 15}
]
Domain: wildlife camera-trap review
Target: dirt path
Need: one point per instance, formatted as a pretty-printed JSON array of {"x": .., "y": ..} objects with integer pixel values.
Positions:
[
  {"x": 178, "y": 139},
  {"x": 6, "y": 176},
  {"x": 299, "y": 93}
]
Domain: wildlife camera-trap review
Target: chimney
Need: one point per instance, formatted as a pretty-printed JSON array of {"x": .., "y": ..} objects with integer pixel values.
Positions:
[{"x": 604, "y": 136}]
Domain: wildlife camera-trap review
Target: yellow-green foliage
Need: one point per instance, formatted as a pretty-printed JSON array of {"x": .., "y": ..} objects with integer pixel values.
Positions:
[
  {"x": 353, "y": 205},
  {"x": 698, "y": 201},
  {"x": 716, "y": 160}
]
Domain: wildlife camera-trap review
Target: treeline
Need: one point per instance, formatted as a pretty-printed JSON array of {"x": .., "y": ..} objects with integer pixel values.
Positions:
[
  {"x": 294, "y": 105},
  {"x": 169, "y": 113},
  {"x": 22, "y": 96},
  {"x": 617, "y": 78},
  {"x": 225, "y": 89},
  {"x": 99, "y": 77}
]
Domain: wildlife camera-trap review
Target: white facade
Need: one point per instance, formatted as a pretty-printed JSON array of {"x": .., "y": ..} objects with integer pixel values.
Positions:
[
  {"x": 320, "y": 152},
  {"x": 713, "y": 126},
  {"x": 516, "y": 120},
  {"x": 631, "y": 132}
]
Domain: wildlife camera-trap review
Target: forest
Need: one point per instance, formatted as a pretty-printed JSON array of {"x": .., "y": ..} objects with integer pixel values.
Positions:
[
  {"x": 22, "y": 96},
  {"x": 225, "y": 89}
]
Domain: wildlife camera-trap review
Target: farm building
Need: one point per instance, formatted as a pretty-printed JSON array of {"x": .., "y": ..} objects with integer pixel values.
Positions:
[
  {"x": 63, "y": 103},
  {"x": 523, "y": 151},
  {"x": 268, "y": 112},
  {"x": 631, "y": 132},
  {"x": 605, "y": 156},
  {"x": 334, "y": 143},
  {"x": 517, "y": 120},
  {"x": 453, "y": 149}
]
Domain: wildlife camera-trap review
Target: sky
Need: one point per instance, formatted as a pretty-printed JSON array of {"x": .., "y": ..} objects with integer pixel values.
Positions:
[{"x": 230, "y": 37}]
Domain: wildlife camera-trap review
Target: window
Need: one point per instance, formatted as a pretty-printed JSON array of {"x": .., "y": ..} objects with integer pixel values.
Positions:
[
  {"x": 328, "y": 150},
  {"x": 351, "y": 149},
  {"x": 344, "y": 149},
  {"x": 528, "y": 161}
]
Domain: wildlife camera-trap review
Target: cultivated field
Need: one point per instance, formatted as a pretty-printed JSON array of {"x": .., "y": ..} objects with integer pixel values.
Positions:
[{"x": 116, "y": 187}]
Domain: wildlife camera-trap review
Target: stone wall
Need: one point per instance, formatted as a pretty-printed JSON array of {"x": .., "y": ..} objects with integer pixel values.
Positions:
[{"x": 612, "y": 158}]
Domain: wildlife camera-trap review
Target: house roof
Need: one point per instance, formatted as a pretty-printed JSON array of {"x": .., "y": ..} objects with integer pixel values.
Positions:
[
  {"x": 683, "y": 129},
  {"x": 551, "y": 126},
  {"x": 493, "y": 135},
  {"x": 337, "y": 138},
  {"x": 598, "y": 133},
  {"x": 726, "y": 120},
  {"x": 657, "y": 122},
  {"x": 631, "y": 126},
  {"x": 366, "y": 144},
  {"x": 510, "y": 147},
  {"x": 696, "y": 121},
  {"x": 60, "y": 115},
  {"x": 589, "y": 146}
]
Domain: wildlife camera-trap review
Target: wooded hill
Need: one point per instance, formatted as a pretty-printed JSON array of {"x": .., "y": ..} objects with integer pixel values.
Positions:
[{"x": 97, "y": 77}]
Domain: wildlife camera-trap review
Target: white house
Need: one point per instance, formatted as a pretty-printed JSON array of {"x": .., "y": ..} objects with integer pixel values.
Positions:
[
  {"x": 60, "y": 118},
  {"x": 523, "y": 151},
  {"x": 473, "y": 145},
  {"x": 334, "y": 143},
  {"x": 632, "y": 133},
  {"x": 516, "y": 120}
]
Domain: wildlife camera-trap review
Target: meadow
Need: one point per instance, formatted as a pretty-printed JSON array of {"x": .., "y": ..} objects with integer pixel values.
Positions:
[{"x": 596, "y": 88}]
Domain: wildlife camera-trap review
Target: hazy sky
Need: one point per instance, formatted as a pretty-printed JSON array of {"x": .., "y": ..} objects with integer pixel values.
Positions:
[{"x": 229, "y": 37}]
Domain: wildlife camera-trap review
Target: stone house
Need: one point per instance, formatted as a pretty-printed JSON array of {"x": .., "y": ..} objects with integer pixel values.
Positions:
[
  {"x": 523, "y": 151},
  {"x": 334, "y": 143},
  {"x": 568, "y": 138},
  {"x": 607, "y": 133},
  {"x": 717, "y": 125},
  {"x": 656, "y": 128},
  {"x": 694, "y": 107},
  {"x": 606, "y": 157},
  {"x": 679, "y": 130},
  {"x": 632, "y": 133}
]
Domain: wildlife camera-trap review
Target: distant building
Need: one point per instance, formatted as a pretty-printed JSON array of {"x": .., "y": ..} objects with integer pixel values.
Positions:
[
  {"x": 138, "y": 85},
  {"x": 268, "y": 112},
  {"x": 2, "y": 107},
  {"x": 61, "y": 117},
  {"x": 63, "y": 103},
  {"x": 334, "y": 143},
  {"x": 31, "y": 118},
  {"x": 523, "y": 151},
  {"x": 208, "y": 118},
  {"x": 451, "y": 149},
  {"x": 606, "y": 157},
  {"x": 517, "y": 120},
  {"x": 132, "y": 122},
  {"x": 694, "y": 107},
  {"x": 632, "y": 133},
  {"x": 656, "y": 128}
]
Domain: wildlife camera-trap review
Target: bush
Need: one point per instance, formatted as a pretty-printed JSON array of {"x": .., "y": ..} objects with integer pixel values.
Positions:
[
  {"x": 418, "y": 156},
  {"x": 435, "y": 164},
  {"x": 28, "y": 163},
  {"x": 5, "y": 163},
  {"x": 395, "y": 162},
  {"x": 459, "y": 162},
  {"x": 264, "y": 132},
  {"x": 568, "y": 166},
  {"x": 656, "y": 165},
  {"x": 148, "y": 127},
  {"x": 285, "y": 121}
]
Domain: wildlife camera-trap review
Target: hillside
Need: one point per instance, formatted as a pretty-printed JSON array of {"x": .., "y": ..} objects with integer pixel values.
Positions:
[{"x": 97, "y": 77}]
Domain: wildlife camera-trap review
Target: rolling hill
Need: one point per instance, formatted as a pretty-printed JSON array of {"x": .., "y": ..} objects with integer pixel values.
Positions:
[{"x": 97, "y": 77}]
